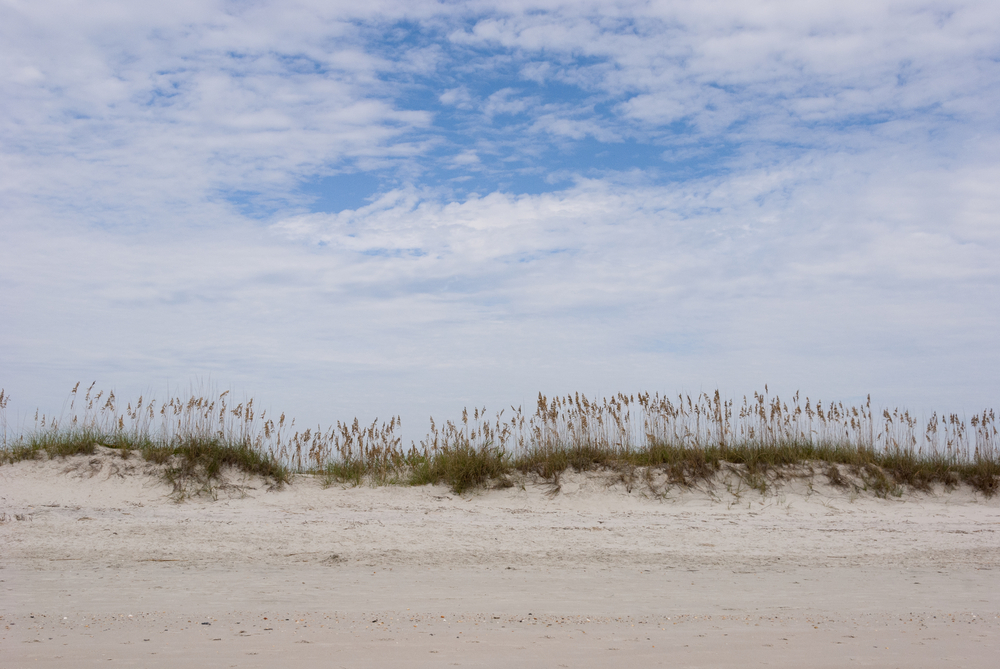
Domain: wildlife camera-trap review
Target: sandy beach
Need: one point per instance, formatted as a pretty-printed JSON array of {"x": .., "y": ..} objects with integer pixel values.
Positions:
[{"x": 101, "y": 565}]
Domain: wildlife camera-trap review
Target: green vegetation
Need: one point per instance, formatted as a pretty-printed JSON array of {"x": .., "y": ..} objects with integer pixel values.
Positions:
[
  {"x": 189, "y": 452},
  {"x": 462, "y": 467},
  {"x": 676, "y": 442}
]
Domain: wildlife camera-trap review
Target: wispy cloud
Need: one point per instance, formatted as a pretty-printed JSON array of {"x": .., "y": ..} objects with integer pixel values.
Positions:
[{"x": 538, "y": 196}]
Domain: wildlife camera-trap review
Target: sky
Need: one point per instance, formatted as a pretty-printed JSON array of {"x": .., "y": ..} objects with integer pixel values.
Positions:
[{"x": 366, "y": 209}]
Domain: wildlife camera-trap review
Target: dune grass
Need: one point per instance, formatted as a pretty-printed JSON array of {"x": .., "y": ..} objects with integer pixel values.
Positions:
[
  {"x": 189, "y": 452},
  {"x": 685, "y": 441},
  {"x": 188, "y": 460}
]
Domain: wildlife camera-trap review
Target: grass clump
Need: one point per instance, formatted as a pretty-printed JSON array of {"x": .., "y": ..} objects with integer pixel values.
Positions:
[
  {"x": 553, "y": 459},
  {"x": 56, "y": 444},
  {"x": 194, "y": 441},
  {"x": 202, "y": 460},
  {"x": 352, "y": 472},
  {"x": 462, "y": 467}
]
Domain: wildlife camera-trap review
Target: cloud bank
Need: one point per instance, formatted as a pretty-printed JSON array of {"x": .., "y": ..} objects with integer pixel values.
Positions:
[{"x": 410, "y": 207}]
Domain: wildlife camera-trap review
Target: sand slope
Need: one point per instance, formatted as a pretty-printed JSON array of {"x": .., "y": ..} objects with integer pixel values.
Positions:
[{"x": 598, "y": 573}]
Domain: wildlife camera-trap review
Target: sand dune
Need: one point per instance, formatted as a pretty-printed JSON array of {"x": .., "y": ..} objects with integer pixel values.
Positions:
[{"x": 99, "y": 562}]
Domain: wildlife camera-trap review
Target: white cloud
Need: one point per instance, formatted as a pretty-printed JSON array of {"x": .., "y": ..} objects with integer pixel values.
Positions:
[
  {"x": 801, "y": 276},
  {"x": 505, "y": 101},
  {"x": 843, "y": 238},
  {"x": 178, "y": 108},
  {"x": 457, "y": 97},
  {"x": 465, "y": 159},
  {"x": 694, "y": 60}
]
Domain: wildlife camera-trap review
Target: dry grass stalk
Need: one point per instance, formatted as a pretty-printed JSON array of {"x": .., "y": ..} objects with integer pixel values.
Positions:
[{"x": 687, "y": 438}]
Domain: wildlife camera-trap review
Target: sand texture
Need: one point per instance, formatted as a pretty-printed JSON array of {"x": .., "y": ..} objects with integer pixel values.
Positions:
[{"x": 101, "y": 565}]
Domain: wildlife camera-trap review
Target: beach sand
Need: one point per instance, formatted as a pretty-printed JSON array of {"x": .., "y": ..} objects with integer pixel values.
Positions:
[{"x": 100, "y": 565}]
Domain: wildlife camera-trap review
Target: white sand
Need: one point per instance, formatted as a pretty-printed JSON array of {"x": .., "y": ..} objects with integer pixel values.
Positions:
[{"x": 100, "y": 566}]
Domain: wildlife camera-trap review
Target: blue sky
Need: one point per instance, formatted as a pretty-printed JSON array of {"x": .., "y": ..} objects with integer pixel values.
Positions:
[{"x": 418, "y": 206}]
